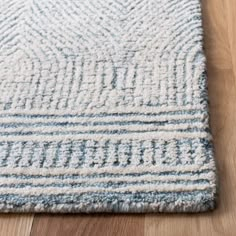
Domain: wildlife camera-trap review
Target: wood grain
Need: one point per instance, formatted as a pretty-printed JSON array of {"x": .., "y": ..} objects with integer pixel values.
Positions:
[
  {"x": 230, "y": 10},
  {"x": 88, "y": 225},
  {"x": 220, "y": 45},
  {"x": 15, "y": 224}
]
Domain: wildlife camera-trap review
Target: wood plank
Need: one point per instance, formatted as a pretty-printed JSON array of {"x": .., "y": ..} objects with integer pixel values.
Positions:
[
  {"x": 15, "y": 224},
  {"x": 222, "y": 96},
  {"x": 230, "y": 6},
  {"x": 88, "y": 225},
  {"x": 216, "y": 40}
]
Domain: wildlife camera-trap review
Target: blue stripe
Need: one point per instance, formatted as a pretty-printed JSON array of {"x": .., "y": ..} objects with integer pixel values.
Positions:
[
  {"x": 103, "y": 114},
  {"x": 199, "y": 199},
  {"x": 112, "y": 132},
  {"x": 91, "y": 123},
  {"x": 104, "y": 184},
  {"x": 78, "y": 176}
]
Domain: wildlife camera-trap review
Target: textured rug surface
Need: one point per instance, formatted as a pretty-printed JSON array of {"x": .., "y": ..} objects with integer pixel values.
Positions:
[{"x": 103, "y": 107}]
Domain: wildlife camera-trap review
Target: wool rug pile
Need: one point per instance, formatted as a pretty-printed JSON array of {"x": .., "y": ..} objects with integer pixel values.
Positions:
[{"x": 103, "y": 107}]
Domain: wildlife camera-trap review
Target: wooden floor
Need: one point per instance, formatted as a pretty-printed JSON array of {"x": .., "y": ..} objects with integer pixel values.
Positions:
[{"x": 220, "y": 45}]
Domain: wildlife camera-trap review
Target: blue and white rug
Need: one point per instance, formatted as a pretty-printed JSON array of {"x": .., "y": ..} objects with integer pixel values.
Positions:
[{"x": 103, "y": 107}]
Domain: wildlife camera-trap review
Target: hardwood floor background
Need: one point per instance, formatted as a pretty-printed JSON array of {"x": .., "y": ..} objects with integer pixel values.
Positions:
[{"x": 219, "y": 20}]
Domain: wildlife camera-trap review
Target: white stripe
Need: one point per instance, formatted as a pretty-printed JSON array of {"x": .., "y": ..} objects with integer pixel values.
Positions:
[
  {"x": 148, "y": 118},
  {"x": 98, "y": 137},
  {"x": 36, "y": 191},
  {"x": 127, "y": 179},
  {"x": 79, "y": 128},
  {"x": 125, "y": 109},
  {"x": 103, "y": 170}
]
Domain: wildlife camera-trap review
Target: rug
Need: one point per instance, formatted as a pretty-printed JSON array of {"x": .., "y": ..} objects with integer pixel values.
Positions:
[{"x": 103, "y": 107}]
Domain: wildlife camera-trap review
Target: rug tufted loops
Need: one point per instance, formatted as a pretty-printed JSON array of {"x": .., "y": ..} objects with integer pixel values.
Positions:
[{"x": 103, "y": 107}]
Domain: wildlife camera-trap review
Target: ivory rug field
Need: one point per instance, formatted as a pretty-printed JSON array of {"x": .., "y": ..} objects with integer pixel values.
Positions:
[{"x": 103, "y": 107}]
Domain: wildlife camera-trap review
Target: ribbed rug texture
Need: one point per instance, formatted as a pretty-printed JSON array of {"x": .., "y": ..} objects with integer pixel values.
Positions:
[{"x": 104, "y": 107}]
